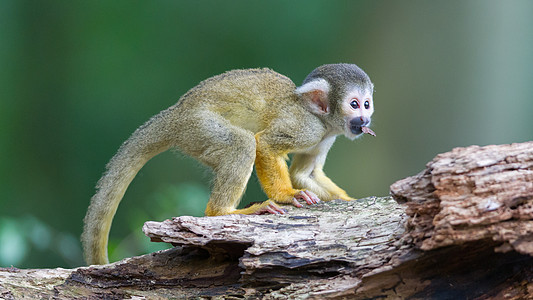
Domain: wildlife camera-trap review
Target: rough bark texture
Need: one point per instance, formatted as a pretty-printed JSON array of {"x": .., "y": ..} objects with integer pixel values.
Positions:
[
  {"x": 463, "y": 230},
  {"x": 472, "y": 194}
]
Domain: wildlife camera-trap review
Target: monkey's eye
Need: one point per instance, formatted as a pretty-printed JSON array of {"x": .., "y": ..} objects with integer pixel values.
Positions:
[
  {"x": 367, "y": 105},
  {"x": 354, "y": 104}
]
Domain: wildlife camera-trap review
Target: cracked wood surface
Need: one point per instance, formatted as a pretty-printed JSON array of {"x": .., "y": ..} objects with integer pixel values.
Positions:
[
  {"x": 471, "y": 194},
  {"x": 338, "y": 237},
  {"x": 462, "y": 230}
]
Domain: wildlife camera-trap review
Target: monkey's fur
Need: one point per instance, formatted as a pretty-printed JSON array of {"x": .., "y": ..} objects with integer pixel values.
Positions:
[{"x": 233, "y": 120}]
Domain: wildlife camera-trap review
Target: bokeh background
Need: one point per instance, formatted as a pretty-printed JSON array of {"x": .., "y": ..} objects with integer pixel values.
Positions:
[{"x": 78, "y": 77}]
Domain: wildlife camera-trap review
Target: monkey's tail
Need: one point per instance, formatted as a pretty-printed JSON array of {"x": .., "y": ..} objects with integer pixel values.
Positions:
[{"x": 145, "y": 143}]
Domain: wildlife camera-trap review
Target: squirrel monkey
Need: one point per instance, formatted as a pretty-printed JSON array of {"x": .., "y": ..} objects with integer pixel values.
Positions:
[{"x": 237, "y": 119}]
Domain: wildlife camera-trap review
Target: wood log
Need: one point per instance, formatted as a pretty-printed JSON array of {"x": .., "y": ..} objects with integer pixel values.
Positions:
[
  {"x": 472, "y": 194},
  {"x": 461, "y": 229}
]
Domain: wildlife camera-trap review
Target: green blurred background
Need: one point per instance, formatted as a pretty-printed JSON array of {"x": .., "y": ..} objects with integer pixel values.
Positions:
[{"x": 78, "y": 77}]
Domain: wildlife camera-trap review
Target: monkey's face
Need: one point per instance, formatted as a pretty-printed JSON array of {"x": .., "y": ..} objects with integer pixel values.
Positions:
[{"x": 357, "y": 108}]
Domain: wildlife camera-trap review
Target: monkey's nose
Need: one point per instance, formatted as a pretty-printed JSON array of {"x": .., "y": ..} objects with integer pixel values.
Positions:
[{"x": 360, "y": 121}]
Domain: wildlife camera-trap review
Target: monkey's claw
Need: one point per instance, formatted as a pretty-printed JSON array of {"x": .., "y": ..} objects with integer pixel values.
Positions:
[
  {"x": 296, "y": 203},
  {"x": 309, "y": 197},
  {"x": 270, "y": 208}
]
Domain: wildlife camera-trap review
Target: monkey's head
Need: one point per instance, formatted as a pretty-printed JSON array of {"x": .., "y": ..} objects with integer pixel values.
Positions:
[{"x": 340, "y": 94}]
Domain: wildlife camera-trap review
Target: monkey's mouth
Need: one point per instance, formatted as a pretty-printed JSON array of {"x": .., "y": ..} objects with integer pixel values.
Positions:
[{"x": 357, "y": 130}]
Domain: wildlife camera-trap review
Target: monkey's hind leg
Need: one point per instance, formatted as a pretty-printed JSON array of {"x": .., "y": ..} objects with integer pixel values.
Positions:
[
  {"x": 230, "y": 152},
  {"x": 231, "y": 177}
]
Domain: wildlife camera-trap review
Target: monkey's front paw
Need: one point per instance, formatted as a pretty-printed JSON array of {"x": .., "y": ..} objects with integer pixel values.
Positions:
[{"x": 309, "y": 197}]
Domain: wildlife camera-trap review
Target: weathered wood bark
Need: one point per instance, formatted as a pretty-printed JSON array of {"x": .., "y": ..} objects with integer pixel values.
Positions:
[
  {"x": 463, "y": 230},
  {"x": 472, "y": 194}
]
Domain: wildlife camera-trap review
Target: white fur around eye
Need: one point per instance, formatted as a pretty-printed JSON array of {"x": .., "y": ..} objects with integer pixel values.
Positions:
[{"x": 362, "y": 95}]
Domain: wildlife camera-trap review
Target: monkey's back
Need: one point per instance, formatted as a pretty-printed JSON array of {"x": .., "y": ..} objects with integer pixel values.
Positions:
[{"x": 246, "y": 98}]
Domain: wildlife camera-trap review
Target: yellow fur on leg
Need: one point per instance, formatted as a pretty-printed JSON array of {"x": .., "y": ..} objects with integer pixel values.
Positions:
[
  {"x": 273, "y": 174},
  {"x": 335, "y": 191}
]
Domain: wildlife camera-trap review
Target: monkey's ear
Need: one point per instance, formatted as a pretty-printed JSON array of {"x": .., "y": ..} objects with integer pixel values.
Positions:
[{"x": 315, "y": 93}]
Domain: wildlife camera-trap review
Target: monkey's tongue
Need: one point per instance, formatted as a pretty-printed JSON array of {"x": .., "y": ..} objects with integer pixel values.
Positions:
[{"x": 368, "y": 130}]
